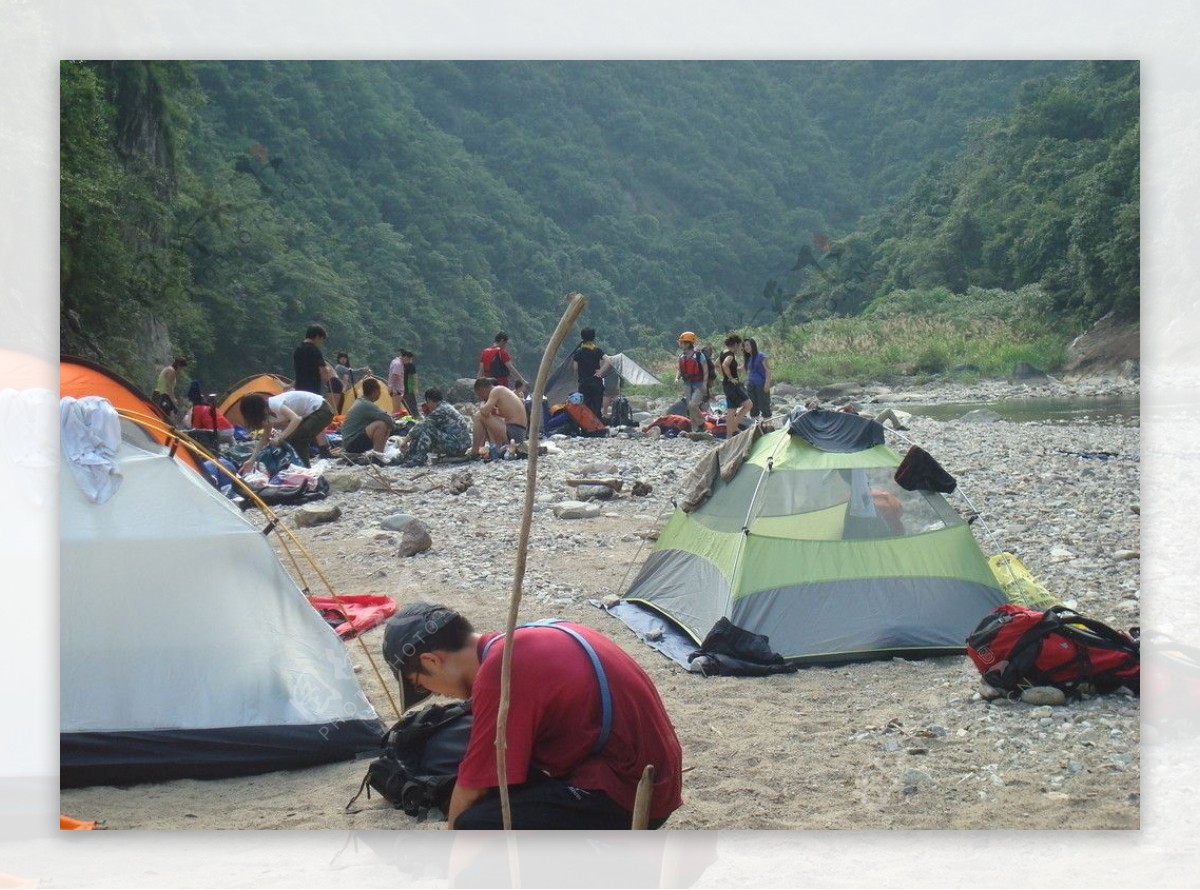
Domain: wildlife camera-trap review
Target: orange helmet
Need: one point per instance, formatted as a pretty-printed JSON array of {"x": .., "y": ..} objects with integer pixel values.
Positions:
[{"x": 687, "y": 337}]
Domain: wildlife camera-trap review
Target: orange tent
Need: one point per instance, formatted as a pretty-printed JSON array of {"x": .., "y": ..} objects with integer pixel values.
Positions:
[
  {"x": 355, "y": 392},
  {"x": 79, "y": 377},
  {"x": 266, "y": 385}
]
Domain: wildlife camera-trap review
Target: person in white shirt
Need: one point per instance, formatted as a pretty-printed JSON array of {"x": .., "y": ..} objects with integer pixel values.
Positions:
[{"x": 300, "y": 418}]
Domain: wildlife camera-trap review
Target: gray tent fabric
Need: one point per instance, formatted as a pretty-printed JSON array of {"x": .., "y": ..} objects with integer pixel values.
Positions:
[{"x": 563, "y": 381}]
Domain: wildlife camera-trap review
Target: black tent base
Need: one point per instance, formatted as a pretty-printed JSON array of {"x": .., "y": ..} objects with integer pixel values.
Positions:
[{"x": 129, "y": 758}]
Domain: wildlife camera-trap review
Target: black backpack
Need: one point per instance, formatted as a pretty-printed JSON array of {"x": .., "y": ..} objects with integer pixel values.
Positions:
[
  {"x": 622, "y": 414},
  {"x": 311, "y": 488},
  {"x": 418, "y": 764}
]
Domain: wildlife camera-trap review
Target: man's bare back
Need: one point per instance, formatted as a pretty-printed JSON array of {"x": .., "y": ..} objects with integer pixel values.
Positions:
[{"x": 505, "y": 404}]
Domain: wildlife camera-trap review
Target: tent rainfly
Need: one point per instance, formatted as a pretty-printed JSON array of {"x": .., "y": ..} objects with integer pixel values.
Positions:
[
  {"x": 811, "y": 542},
  {"x": 563, "y": 382},
  {"x": 186, "y": 648}
]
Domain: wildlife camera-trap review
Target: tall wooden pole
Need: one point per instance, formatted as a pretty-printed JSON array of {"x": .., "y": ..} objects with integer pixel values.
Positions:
[{"x": 575, "y": 306}]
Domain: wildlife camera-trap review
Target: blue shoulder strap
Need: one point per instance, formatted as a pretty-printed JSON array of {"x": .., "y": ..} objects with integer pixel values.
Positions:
[{"x": 606, "y": 705}]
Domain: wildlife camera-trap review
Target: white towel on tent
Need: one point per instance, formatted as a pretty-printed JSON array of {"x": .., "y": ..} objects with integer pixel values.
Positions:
[
  {"x": 861, "y": 502},
  {"x": 91, "y": 433}
]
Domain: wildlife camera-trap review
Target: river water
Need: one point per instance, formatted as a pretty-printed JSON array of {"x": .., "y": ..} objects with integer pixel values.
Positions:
[{"x": 1112, "y": 411}]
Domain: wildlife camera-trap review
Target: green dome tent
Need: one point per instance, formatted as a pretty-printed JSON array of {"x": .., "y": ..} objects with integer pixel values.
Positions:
[{"x": 806, "y": 538}]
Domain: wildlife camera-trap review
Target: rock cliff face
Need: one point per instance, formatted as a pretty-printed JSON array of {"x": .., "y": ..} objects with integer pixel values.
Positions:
[
  {"x": 1110, "y": 349},
  {"x": 148, "y": 348}
]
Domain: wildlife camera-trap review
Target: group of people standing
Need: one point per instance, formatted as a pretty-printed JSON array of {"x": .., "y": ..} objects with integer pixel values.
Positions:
[
  {"x": 301, "y": 415},
  {"x": 698, "y": 373}
]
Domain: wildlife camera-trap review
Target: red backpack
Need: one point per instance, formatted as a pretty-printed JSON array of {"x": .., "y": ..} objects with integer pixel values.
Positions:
[
  {"x": 1016, "y": 647},
  {"x": 492, "y": 360},
  {"x": 691, "y": 366}
]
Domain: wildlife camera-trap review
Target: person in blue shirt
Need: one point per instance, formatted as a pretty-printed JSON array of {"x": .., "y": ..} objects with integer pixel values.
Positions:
[{"x": 758, "y": 379}]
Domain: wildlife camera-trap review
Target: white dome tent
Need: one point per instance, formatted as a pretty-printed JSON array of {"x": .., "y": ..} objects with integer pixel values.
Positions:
[{"x": 186, "y": 648}]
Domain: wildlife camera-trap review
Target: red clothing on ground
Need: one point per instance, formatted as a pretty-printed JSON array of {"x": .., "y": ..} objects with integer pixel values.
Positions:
[
  {"x": 554, "y": 719},
  {"x": 202, "y": 418}
]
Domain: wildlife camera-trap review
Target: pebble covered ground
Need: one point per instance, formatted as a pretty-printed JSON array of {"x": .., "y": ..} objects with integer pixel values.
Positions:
[{"x": 888, "y": 744}]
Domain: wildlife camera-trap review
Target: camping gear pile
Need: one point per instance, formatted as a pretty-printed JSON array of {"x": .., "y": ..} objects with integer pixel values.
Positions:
[{"x": 564, "y": 411}]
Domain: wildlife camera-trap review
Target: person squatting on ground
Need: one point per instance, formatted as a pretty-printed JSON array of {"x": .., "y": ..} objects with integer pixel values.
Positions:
[
  {"x": 693, "y": 376},
  {"x": 590, "y": 364},
  {"x": 366, "y": 426},
  {"x": 496, "y": 361},
  {"x": 443, "y": 431},
  {"x": 758, "y": 380},
  {"x": 562, "y": 772},
  {"x": 299, "y": 416},
  {"x": 164, "y": 388},
  {"x": 737, "y": 400},
  {"x": 501, "y": 417}
]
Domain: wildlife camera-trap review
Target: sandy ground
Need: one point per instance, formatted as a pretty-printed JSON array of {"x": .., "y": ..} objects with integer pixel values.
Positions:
[{"x": 884, "y": 745}]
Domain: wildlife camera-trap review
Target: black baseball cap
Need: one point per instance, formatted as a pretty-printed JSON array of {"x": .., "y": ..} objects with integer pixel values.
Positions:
[{"x": 403, "y": 639}]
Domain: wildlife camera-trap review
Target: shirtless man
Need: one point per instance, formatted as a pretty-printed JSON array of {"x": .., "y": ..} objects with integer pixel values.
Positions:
[{"x": 501, "y": 417}]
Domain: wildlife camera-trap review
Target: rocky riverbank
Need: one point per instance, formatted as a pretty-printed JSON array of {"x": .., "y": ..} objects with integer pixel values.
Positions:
[{"x": 895, "y": 744}]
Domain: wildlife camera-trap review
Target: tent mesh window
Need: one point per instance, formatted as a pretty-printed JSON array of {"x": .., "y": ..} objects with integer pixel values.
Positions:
[{"x": 823, "y": 505}]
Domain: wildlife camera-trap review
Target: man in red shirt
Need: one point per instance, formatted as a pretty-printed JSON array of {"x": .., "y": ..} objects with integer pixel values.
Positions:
[
  {"x": 496, "y": 361},
  {"x": 568, "y": 766}
]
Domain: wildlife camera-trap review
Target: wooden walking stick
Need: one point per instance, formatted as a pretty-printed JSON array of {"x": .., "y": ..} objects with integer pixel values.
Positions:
[
  {"x": 641, "y": 801},
  {"x": 575, "y": 306}
]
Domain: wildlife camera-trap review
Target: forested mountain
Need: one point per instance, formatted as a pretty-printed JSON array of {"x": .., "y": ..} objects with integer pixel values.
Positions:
[{"x": 429, "y": 204}]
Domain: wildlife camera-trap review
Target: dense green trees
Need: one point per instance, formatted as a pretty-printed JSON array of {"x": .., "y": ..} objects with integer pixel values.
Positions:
[
  {"x": 1048, "y": 195},
  {"x": 429, "y": 204}
]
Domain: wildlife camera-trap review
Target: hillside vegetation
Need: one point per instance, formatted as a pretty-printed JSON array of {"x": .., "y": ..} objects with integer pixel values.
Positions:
[{"x": 429, "y": 204}]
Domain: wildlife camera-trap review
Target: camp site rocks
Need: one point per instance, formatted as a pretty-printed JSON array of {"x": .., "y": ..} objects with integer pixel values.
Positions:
[{"x": 883, "y": 744}]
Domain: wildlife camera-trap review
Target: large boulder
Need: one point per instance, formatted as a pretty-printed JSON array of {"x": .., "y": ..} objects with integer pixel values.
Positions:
[
  {"x": 1026, "y": 371},
  {"x": 1111, "y": 348},
  {"x": 461, "y": 390}
]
